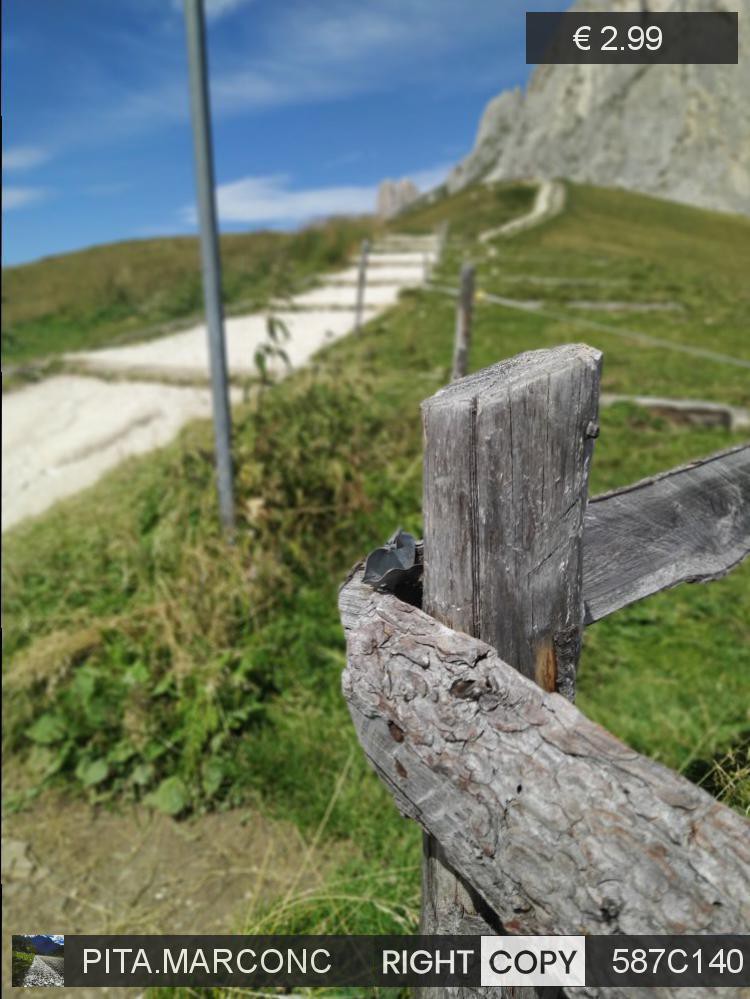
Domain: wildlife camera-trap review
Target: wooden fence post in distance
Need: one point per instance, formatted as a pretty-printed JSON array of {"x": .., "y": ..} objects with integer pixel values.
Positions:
[
  {"x": 442, "y": 234},
  {"x": 506, "y": 462},
  {"x": 464, "y": 310},
  {"x": 361, "y": 282}
]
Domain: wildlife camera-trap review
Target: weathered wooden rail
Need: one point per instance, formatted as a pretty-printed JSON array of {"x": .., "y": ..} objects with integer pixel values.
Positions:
[
  {"x": 690, "y": 524},
  {"x": 540, "y": 809},
  {"x": 536, "y": 819}
]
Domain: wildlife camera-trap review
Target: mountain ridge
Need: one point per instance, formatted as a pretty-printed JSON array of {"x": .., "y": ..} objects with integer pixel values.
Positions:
[{"x": 44, "y": 943}]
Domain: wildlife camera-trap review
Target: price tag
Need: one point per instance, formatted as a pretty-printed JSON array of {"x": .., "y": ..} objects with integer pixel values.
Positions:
[{"x": 640, "y": 37}]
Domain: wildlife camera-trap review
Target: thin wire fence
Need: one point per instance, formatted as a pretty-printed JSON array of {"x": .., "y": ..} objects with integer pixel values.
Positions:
[{"x": 592, "y": 324}]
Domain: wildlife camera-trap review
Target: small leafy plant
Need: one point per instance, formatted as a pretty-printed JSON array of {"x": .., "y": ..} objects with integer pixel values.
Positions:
[{"x": 271, "y": 349}]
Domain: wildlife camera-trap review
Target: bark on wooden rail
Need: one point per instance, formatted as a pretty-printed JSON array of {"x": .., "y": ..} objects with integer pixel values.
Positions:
[
  {"x": 687, "y": 525},
  {"x": 555, "y": 823}
]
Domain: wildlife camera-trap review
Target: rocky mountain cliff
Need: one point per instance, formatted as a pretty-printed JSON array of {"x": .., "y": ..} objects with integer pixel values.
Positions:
[{"x": 680, "y": 132}]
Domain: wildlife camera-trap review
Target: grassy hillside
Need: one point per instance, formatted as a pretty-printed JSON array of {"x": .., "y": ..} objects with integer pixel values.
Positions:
[
  {"x": 643, "y": 250},
  {"x": 148, "y": 659},
  {"x": 469, "y": 211},
  {"x": 131, "y": 291}
]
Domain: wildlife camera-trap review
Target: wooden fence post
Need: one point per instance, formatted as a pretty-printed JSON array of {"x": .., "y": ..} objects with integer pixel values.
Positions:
[
  {"x": 506, "y": 463},
  {"x": 361, "y": 283},
  {"x": 442, "y": 240},
  {"x": 464, "y": 309}
]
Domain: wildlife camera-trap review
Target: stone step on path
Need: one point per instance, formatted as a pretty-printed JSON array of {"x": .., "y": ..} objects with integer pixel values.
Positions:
[
  {"x": 405, "y": 275},
  {"x": 377, "y": 296},
  {"x": 385, "y": 258},
  {"x": 408, "y": 245},
  {"x": 62, "y": 434}
]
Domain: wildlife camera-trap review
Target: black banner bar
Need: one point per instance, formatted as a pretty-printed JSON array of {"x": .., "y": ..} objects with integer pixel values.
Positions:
[
  {"x": 366, "y": 961},
  {"x": 637, "y": 37},
  {"x": 279, "y": 961}
]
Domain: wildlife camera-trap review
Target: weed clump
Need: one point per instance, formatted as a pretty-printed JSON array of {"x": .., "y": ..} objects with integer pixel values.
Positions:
[{"x": 149, "y": 695}]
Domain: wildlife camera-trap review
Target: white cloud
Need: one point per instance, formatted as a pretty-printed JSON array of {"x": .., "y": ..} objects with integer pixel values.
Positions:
[
  {"x": 20, "y": 197},
  {"x": 218, "y": 8},
  {"x": 303, "y": 52},
  {"x": 323, "y": 50},
  {"x": 270, "y": 198},
  {"x": 346, "y": 33},
  {"x": 318, "y": 54},
  {"x": 24, "y": 157},
  {"x": 274, "y": 86},
  {"x": 426, "y": 180},
  {"x": 215, "y": 8}
]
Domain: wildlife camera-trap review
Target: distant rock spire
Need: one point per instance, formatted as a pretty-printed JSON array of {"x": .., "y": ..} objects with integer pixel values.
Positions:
[{"x": 394, "y": 196}]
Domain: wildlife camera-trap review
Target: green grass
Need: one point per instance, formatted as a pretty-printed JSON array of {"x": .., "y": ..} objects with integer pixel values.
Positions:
[
  {"x": 142, "y": 649},
  {"x": 21, "y": 962},
  {"x": 655, "y": 251},
  {"x": 467, "y": 212},
  {"x": 135, "y": 290}
]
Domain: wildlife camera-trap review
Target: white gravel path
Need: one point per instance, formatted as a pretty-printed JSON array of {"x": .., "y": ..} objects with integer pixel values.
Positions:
[
  {"x": 42, "y": 974},
  {"x": 378, "y": 295},
  {"x": 548, "y": 202},
  {"x": 62, "y": 434},
  {"x": 403, "y": 275},
  {"x": 185, "y": 355},
  {"x": 317, "y": 317}
]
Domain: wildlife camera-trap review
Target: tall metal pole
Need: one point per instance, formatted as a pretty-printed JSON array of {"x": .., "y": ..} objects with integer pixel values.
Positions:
[{"x": 204, "y": 182}]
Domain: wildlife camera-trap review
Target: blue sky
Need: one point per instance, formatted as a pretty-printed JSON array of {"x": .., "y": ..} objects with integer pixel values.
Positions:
[{"x": 314, "y": 102}]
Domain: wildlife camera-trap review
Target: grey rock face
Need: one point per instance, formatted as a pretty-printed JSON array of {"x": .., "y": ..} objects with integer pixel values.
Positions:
[
  {"x": 394, "y": 196},
  {"x": 680, "y": 132}
]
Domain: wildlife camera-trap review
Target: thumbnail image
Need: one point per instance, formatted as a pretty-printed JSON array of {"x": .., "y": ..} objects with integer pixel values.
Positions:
[{"x": 38, "y": 960}]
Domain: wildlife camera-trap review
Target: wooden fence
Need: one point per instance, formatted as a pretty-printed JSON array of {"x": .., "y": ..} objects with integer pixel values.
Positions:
[
  {"x": 460, "y": 682},
  {"x": 361, "y": 284}
]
